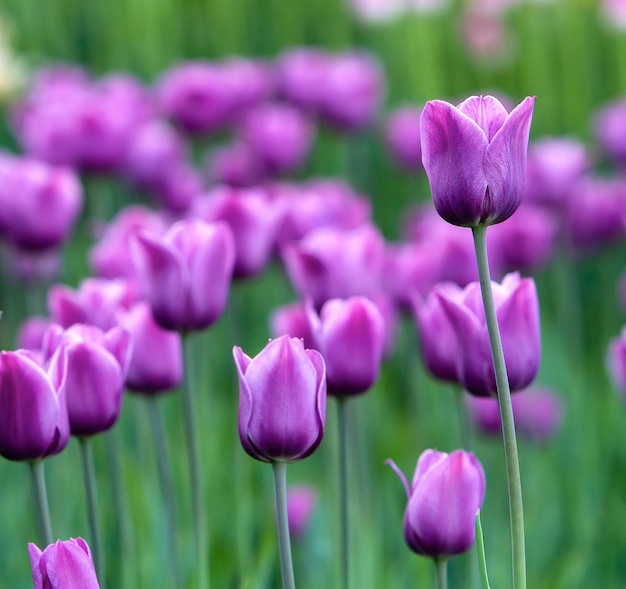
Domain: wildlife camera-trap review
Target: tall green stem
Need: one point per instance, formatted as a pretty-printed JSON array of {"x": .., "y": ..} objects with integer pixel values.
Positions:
[
  {"x": 279, "y": 470},
  {"x": 441, "y": 572},
  {"x": 480, "y": 549},
  {"x": 342, "y": 413},
  {"x": 89, "y": 480},
  {"x": 506, "y": 413},
  {"x": 197, "y": 504},
  {"x": 38, "y": 481}
]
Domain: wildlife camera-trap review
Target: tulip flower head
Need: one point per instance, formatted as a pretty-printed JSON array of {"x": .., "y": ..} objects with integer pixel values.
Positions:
[
  {"x": 63, "y": 565},
  {"x": 282, "y": 400},
  {"x": 475, "y": 158},
  {"x": 443, "y": 498}
]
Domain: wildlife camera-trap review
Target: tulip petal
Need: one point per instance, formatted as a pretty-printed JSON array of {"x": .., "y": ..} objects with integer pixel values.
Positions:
[{"x": 486, "y": 111}]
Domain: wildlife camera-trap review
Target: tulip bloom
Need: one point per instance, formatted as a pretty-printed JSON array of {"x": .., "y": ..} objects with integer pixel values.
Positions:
[
  {"x": 444, "y": 496},
  {"x": 187, "y": 273},
  {"x": 350, "y": 334},
  {"x": 33, "y": 419},
  {"x": 517, "y": 311},
  {"x": 282, "y": 400},
  {"x": 63, "y": 565},
  {"x": 475, "y": 158}
]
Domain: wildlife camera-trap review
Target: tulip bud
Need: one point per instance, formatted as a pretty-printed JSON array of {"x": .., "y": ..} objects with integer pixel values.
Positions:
[
  {"x": 475, "y": 158},
  {"x": 446, "y": 492},
  {"x": 282, "y": 400},
  {"x": 292, "y": 320},
  {"x": 63, "y": 565}
]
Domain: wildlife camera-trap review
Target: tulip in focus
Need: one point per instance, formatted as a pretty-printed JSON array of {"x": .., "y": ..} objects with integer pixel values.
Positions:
[
  {"x": 282, "y": 400},
  {"x": 63, "y": 565},
  {"x": 475, "y": 158},
  {"x": 446, "y": 492}
]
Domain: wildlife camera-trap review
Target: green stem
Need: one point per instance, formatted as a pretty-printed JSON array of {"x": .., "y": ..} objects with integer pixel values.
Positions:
[
  {"x": 279, "y": 470},
  {"x": 89, "y": 480},
  {"x": 342, "y": 413},
  {"x": 465, "y": 424},
  {"x": 199, "y": 517},
  {"x": 480, "y": 548},
  {"x": 506, "y": 413},
  {"x": 441, "y": 572},
  {"x": 40, "y": 496},
  {"x": 167, "y": 486}
]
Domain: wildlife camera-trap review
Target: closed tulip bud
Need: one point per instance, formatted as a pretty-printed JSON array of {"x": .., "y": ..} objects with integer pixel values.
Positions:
[
  {"x": 517, "y": 311},
  {"x": 96, "y": 368},
  {"x": 300, "y": 75},
  {"x": 443, "y": 498},
  {"x": 63, "y": 565},
  {"x": 350, "y": 334},
  {"x": 475, "y": 158},
  {"x": 403, "y": 138},
  {"x": 33, "y": 420},
  {"x": 282, "y": 400},
  {"x": 187, "y": 273},
  {"x": 610, "y": 129},
  {"x": 156, "y": 361}
]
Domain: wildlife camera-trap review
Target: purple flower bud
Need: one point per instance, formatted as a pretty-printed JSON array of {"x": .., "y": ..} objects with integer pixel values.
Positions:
[
  {"x": 475, "y": 158},
  {"x": 63, "y": 565},
  {"x": 96, "y": 368},
  {"x": 177, "y": 188},
  {"x": 292, "y": 320},
  {"x": 280, "y": 136},
  {"x": 300, "y": 504},
  {"x": 610, "y": 131},
  {"x": 301, "y": 74},
  {"x": 331, "y": 263},
  {"x": 39, "y": 203},
  {"x": 156, "y": 361},
  {"x": 350, "y": 334},
  {"x": 95, "y": 302},
  {"x": 282, "y": 400},
  {"x": 186, "y": 274},
  {"x": 538, "y": 414},
  {"x": 253, "y": 219},
  {"x": 446, "y": 492},
  {"x": 403, "y": 137},
  {"x": 517, "y": 311},
  {"x": 33, "y": 420},
  {"x": 251, "y": 82},
  {"x": 235, "y": 164}
]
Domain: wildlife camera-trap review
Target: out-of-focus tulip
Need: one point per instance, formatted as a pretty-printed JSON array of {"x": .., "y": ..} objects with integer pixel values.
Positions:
[
  {"x": 235, "y": 164},
  {"x": 186, "y": 274},
  {"x": 446, "y": 492},
  {"x": 292, "y": 320},
  {"x": 610, "y": 130},
  {"x": 156, "y": 361},
  {"x": 39, "y": 203},
  {"x": 300, "y": 504},
  {"x": 616, "y": 362},
  {"x": 331, "y": 263},
  {"x": 280, "y": 135},
  {"x": 94, "y": 381},
  {"x": 30, "y": 333},
  {"x": 282, "y": 400},
  {"x": 377, "y": 11},
  {"x": 251, "y": 82},
  {"x": 300, "y": 76},
  {"x": 63, "y": 565},
  {"x": 403, "y": 137},
  {"x": 177, "y": 188},
  {"x": 614, "y": 14},
  {"x": 33, "y": 420},
  {"x": 475, "y": 158},
  {"x": 253, "y": 219},
  {"x": 95, "y": 302},
  {"x": 517, "y": 310},
  {"x": 538, "y": 414},
  {"x": 33, "y": 267},
  {"x": 350, "y": 334}
]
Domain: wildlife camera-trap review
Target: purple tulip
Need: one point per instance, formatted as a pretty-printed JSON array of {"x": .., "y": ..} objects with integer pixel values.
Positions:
[
  {"x": 292, "y": 320},
  {"x": 446, "y": 492},
  {"x": 96, "y": 367},
  {"x": 39, "y": 203},
  {"x": 403, "y": 137},
  {"x": 350, "y": 334},
  {"x": 517, "y": 310},
  {"x": 30, "y": 333},
  {"x": 95, "y": 302},
  {"x": 300, "y": 76},
  {"x": 156, "y": 361},
  {"x": 610, "y": 130},
  {"x": 177, "y": 188},
  {"x": 282, "y": 400},
  {"x": 33, "y": 421},
  {"x": 251, "y": 82},
  {"x": 280, "y": 136},
  {"x": 475, "y": 158},
  {"x": 63, "y": 565},
  {"x": 186, "y": 274},
  {"x": 538, "y": 414},
  {"x": 616, "y": 362},
  {"x": 33, "y": 267},
  {"x": 235, "y": 164},
  {"x": 300, "y": 504},
  {"x": 331, "y": 263},
  {"x": 253, "y": 219}
]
